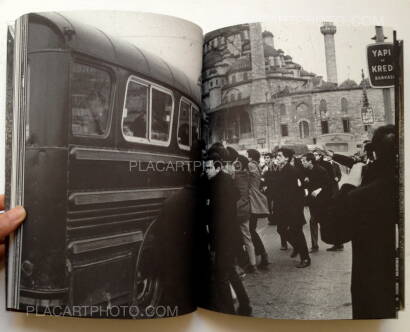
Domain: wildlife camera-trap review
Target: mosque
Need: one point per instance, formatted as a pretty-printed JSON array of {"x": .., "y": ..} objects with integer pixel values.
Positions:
[{"x": 256, "y": 96}]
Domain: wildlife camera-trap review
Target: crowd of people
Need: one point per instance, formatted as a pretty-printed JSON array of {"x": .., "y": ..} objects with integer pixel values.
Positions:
[{"x": 238, "y": 190}]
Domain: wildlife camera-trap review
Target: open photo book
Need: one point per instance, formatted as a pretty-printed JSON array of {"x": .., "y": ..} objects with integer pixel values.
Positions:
[{"x": 253, "y": 170}]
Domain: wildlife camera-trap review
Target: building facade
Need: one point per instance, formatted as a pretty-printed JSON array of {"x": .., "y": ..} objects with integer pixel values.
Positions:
[{"x": 256, "y": 96}]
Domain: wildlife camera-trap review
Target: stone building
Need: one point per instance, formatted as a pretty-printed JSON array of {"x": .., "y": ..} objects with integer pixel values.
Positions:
[{"x": 256, "y": 96}]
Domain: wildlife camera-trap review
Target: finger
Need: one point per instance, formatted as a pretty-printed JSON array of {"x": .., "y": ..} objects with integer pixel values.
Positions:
[
  {"x": 1, "y": 202},
  {"x": 10, "y": 220}
]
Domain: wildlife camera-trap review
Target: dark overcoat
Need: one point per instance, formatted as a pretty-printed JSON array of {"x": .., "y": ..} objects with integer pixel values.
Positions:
[
  {"x": 288, "y": 197},
  {"x": 367, "y": 216},
  {"x": 226, "y": 240}
]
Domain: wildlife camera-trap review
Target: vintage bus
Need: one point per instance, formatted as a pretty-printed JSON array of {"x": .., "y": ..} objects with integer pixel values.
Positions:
[{"x": 90, "y": 112}]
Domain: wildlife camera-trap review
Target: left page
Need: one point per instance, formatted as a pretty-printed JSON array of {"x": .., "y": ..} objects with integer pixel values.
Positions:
[{"x": 103, "y": 110}]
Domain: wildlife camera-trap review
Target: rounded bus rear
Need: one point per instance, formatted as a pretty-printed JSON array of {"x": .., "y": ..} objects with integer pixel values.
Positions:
[{"x": 107, "y": 126}]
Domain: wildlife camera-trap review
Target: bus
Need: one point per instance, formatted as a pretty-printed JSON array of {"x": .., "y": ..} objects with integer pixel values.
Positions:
[{"x": 90, "y": 113}]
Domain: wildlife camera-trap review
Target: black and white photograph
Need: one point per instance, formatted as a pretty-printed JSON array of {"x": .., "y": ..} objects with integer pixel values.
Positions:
[
  {"x": 153, "y": 169},
  {"x": 92, "y": 108},
  {"x": 314, "y": 143}
]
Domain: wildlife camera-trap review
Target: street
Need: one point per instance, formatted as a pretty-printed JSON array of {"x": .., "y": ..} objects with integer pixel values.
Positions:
[{"x": 320, "y": 291}]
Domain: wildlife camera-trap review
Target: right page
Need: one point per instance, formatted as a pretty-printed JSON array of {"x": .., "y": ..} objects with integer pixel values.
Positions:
[{"x": 301, "y": 175}]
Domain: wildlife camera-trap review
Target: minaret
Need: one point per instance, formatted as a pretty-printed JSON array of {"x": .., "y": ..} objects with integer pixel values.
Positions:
[{"x": 328, "y": 29}]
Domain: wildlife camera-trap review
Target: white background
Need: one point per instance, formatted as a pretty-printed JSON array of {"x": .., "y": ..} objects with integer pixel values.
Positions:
[{"x": 209, "y": 15}]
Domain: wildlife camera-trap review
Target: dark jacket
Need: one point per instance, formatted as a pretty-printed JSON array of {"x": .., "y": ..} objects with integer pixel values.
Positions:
[
  {"x": 328, "y": 167},
  {"x": 318, "y": 177},
  {"x": 288, "y": 198},
  {"x": 271, "y": 176},
  {"x": 221, "y": 197},
  {"x": 367, "y": 216}
]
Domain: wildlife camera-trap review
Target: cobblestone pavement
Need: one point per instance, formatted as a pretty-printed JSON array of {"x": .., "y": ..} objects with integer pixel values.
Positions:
[{"x": 320, "y": 291}]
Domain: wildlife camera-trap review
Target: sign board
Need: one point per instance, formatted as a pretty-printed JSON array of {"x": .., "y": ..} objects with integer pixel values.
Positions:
[
  {"x": 380, "y": 61},
  {"x": 367, "y": 115}
]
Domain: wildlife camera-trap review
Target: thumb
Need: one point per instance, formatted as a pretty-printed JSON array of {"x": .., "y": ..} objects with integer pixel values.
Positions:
[{"x": 10, "y": 220}]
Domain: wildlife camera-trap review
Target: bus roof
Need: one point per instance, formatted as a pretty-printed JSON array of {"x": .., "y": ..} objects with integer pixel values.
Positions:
[{"x": 95, "y": 42}]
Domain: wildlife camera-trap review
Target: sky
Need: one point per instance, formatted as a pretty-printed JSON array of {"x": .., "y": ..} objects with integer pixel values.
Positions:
[{"x": 304, "y": 42}]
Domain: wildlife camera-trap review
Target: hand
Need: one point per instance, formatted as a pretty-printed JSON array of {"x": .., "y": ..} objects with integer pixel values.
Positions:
[
  {"x": 316, "y": 192},
  {"x": 354, "y": 178},
  {"x": 9, "y": 221}
]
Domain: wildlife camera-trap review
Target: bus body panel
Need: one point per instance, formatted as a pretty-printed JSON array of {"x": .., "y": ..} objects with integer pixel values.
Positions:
[{"x": 44, "y": 276}]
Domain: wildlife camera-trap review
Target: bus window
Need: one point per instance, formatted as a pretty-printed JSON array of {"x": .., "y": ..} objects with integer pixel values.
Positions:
[
  {"x": 183, "y": 125},
  {"x": 196, "y": 124},
  {"x": 144, "y": 121},
  {"x": 135, "y": 117},
  {"x": 161, "y": 113},
  {"x": 90, "y": 100}
]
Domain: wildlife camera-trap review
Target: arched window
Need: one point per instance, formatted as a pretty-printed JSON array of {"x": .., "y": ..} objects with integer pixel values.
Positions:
[
  {"x": 302, "y": 110},
  {"x": 303, "y": 129},
  {"x": 344, "y": 105},
  {"x": 323, "y": 109},
  {"x": 232, "y": 98},
  {"x": 245, "y": 122},
  {"x": 282, "y": 109}
]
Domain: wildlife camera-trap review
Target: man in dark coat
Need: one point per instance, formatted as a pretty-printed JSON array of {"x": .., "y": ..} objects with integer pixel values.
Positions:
[
  {"x": 221, "y": 196},
  {"x": 334, "y": 173},
  {"x": 288, "y": 200},
  {"x": 367, "y": 215},
  {"x": 319, "y": 187}
]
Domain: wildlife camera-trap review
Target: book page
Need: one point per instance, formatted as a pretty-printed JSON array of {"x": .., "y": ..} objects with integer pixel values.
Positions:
[
  {"x": 301, "y": 197},
  {"x": 105, "y": 110}
]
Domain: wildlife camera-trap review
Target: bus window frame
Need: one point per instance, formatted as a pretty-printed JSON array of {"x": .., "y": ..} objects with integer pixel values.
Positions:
[
  {"x": 150, "y": 85},
  {"x": 133, "y": 139},
  {"x": 187, "y": 101},
  {"x": 192, "y": 107},
  {"x": 111, "y": 73}
]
